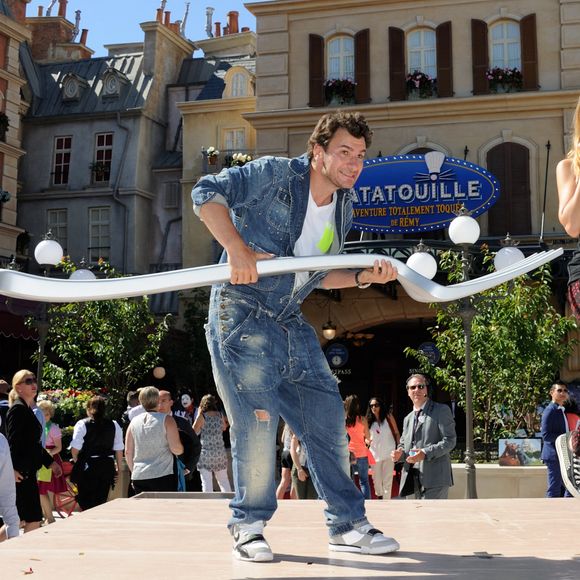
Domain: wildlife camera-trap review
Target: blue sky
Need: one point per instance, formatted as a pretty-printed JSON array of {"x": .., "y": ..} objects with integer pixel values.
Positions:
[{"x": 117, "y": 21}]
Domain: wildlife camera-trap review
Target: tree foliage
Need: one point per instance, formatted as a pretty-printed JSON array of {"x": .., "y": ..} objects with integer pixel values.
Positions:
[
  {"x": 107, "y": 346},
  {"x": 519, "y": 343}
]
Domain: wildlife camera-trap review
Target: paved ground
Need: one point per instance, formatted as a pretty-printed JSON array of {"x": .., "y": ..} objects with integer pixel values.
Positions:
[{"x": 497, "y": 539}]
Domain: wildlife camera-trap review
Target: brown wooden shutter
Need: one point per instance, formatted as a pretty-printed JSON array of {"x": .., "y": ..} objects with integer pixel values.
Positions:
[
  {"x": 480, "y": 56},
  {"x": 510, "y": 163},
  {"x": 362, "y": 66},
  {"x": 316, "y": 71},
  {"x": 529, "y": 52},
  {"x": 397, "y": 64},
  {"x": 444, "y": 60}
]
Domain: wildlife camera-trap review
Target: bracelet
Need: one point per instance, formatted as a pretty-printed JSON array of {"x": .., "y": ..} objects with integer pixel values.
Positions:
[{"x": 358, "y": 283}]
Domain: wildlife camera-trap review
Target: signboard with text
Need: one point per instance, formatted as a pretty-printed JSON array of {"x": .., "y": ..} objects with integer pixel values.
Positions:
[{"x": 419, "y": 193}]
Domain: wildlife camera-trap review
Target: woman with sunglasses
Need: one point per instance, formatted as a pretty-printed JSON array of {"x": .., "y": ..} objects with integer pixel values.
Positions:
[
  {"x": 24, "y": 434},
  {"x": 384, "y": 440}
]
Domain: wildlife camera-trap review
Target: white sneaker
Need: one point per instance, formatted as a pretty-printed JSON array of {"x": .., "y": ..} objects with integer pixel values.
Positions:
[
  {"x": 250, "y": 544},
  {"x": 363, "y": 539}
]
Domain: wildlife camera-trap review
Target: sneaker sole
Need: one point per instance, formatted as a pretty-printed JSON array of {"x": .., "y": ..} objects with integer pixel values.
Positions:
[
  {"x": 564, "y": 460},
  {"x": 262, "y": 557},
  {"x": 384, "y": 549}
]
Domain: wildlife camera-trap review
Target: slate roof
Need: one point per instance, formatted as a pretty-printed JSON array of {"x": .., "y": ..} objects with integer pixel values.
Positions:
[
  {"x": 132, "y": 95},
  {"x": 210, "y": 74}
]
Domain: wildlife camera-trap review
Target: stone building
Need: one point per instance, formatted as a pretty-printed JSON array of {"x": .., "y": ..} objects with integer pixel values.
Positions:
[{"x": 517, "y": 131}]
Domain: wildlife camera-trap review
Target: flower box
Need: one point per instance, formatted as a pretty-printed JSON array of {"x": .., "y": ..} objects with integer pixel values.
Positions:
[
  {"x": 420, "y": 86},
  {"x": 339, "y": 91},
  {"x": 504, "y": 80}
]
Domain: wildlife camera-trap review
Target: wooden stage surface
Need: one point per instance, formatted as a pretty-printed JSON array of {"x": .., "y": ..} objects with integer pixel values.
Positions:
[{"x": 143, "y": 538}]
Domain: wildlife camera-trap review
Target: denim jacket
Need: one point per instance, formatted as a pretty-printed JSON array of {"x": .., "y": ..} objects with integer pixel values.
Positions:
[{"x": 268, "y": 199}]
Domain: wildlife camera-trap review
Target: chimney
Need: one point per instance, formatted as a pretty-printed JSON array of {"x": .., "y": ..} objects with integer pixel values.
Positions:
[
  {"x": 84, "y": 34},
  {"x": 62, "y": 8},
  {"x": 226, "y": 30},
  {"x": 218, "y": 29},
  {"x": 160, "y": 15},
  {"x": 167, "y": 18},
  {"x": 233, "y": 22},
  {"x": 40, "y": 11},
  {"x": 18, "y": 9}
]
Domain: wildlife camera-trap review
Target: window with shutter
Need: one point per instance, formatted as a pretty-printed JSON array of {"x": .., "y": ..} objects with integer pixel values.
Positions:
[{"x": 510, "y": 163}]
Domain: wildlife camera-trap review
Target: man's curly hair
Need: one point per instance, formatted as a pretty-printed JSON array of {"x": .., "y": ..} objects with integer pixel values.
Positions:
[{"x": 330, "y": 123}]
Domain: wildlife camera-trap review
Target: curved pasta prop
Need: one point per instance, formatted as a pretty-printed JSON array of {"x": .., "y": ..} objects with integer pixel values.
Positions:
[{"x": 39, "y": 288}]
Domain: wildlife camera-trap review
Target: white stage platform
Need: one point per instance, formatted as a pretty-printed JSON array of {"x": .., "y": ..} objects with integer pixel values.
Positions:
[{"x": 143, "y": 538}]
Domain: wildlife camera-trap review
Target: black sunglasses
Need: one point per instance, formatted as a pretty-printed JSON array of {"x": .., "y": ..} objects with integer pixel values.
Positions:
[
  {"x": 375, "y": 405},
  {"x": 29, "y": 381},
  {"x": 413, "y": 387}
]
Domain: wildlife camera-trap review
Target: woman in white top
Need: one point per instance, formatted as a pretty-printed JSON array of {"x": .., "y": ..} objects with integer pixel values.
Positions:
[
  {"x": 384, "y": 439},
  {"x": 151, "y": 441}
]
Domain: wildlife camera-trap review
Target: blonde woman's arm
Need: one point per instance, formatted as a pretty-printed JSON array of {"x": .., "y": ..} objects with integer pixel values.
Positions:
[{"x": 568, "y": 197}]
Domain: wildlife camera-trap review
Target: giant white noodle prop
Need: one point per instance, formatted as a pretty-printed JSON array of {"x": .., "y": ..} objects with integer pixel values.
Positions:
[{"x": 26, "y": 286}]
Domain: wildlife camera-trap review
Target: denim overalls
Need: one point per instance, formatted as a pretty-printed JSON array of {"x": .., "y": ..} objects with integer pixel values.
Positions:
[{"x": 267, "y": 360}]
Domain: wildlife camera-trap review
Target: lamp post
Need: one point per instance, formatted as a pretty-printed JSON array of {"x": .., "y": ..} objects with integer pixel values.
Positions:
[
  {"x": 464, "y": 232},
  {"x": 47, "y": 253}
]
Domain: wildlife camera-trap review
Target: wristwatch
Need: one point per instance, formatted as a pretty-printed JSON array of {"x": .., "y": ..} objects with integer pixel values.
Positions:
[{"x": 358, "y": 283}]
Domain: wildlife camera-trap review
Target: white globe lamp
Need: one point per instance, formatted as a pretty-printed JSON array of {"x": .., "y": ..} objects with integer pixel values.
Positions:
[
  {"x": 464, "y": 230},
  {"x": 423, "y": 263},
  {"x": 48, "y": 252},
  {"x": 508, "y": 255}
]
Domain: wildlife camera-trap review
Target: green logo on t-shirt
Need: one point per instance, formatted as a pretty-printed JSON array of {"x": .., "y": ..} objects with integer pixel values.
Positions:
[{"x": 326, "y": 238}]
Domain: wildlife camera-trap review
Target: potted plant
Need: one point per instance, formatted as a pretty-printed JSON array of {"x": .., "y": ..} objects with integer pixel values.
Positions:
[
  {"x": 4, "y": 124},
  {"x": 339, "y": 91},
  {"x": 420, "y": 85},
  {"x": 101, "y": 170},
  {"x": 239, "y": 159},
  {"x": 504, "y": 80},
  {"x": 212, "y": 155}
]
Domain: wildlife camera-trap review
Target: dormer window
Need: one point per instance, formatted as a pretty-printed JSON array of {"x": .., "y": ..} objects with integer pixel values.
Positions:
[
  {"x": 239, "y": 83},
  {"x": 112, "y": 82},
  {"x": 72, "y": 87}
]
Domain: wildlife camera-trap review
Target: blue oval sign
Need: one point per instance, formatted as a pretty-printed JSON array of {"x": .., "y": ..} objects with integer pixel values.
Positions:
[{"x": 419, "y": 193}]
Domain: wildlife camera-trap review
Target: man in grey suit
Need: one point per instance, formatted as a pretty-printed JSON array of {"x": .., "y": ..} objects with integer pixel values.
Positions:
[{"x": 427, "y": 439}]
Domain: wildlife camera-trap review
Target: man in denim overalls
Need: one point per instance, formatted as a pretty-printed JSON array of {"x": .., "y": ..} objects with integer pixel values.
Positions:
[{"x": 267, "y": 360}]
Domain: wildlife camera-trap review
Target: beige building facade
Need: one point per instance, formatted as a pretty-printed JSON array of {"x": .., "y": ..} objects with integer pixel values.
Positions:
[
  {"x": 517, "y": 131},
  {"x": 13, "y": 34}
]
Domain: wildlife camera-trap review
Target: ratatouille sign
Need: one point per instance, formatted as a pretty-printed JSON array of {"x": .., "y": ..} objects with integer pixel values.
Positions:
[{"x": 419, "y": 193}]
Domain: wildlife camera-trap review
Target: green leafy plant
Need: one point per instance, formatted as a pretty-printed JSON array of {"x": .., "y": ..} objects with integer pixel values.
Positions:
[
  {"x": 519, "y": 343},
  {"x": 104, "y": 347}
]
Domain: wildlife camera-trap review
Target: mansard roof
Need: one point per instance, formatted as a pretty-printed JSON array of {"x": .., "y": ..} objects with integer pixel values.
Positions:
[
  {"x": 132, "y": 95},
  {"x": 209, "y": 73}
]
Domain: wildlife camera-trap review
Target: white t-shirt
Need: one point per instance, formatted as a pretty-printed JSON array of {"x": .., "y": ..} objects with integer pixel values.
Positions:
[{"x": 317, "y": 233}]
